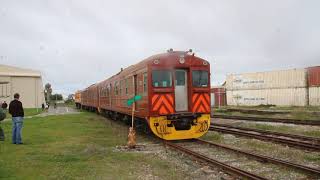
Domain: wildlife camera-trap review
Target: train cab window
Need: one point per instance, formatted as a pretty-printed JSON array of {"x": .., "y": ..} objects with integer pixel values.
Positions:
[
  {"x": 145, "y": 81},
  {"x": 161, "y": 78},
  {"x": 200, "y": 78},
  {"x": 180, "y": 78}
]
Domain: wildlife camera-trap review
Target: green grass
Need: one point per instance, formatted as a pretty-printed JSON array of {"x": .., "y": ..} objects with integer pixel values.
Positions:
[
  {"x": 213, "y": 136},
  {"x": 79, "y": 146},
  {"x": 28, "y": 112}
]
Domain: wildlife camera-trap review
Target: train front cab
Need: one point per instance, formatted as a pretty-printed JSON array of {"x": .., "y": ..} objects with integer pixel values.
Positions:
[{"x": 181, "y": 99}]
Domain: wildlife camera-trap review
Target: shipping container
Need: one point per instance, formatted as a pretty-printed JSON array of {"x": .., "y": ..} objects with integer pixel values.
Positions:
[
  {"x": 218, "y": 96},
  {"x": 293, "y": 78},
  {"x": 314, "y": 76},
  {"x": 314, "y": 96},
  {"x": 212, "y": 99},
  {"x": 279, "y": 97}
]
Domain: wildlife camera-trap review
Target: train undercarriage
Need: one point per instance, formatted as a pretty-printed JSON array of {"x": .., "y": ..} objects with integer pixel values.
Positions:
[{"x": 171, "y": 127}]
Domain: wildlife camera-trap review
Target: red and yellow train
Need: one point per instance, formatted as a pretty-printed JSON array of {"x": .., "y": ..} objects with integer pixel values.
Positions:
[{"x": 175, "y": 90}]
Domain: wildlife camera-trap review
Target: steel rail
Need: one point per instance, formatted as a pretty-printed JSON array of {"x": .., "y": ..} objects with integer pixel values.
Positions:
[
  {"x": 289, "y": 142},
  {"x": 278, "y": 120},
  {"x": 226, "y": 167},
  {"x": 264, "y": 158},
  {"x": 306, "y": 138}
]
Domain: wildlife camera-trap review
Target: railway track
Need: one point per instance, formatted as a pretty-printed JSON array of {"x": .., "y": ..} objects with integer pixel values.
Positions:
[
  {"x": 251, "y": 157},
  {"x": 264, "y": 158},
  {"x": 305, "y": 142},
  {"x": 213, "y": 162},
  {"x": 260, "y": 119}
]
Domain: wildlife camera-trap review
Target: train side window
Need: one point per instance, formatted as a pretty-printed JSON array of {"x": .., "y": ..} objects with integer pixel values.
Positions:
[
  {"x": 145, "y": 82},
  {"x": 161, "y": 78},
  {"x": 126, "y": 82},
  {"x": 121, "y": 85},
  {"x": 107, "y": 91},
  {"x": 200, "y": 78},
  {"x": 116, "y": 88}
]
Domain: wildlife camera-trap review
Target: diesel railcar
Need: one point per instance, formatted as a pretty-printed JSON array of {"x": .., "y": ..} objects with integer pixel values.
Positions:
[{"x": 175, "y": 90}]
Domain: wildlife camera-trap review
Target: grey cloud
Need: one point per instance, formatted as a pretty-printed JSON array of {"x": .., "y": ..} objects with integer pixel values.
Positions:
[{"x": 77, "y": 43}]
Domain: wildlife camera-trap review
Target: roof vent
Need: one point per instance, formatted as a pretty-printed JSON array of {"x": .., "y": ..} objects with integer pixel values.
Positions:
[{"x": 170, "y": 50}]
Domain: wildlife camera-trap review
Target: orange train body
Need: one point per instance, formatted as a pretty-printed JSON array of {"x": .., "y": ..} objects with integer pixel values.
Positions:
[{"x": 175, "y": 90}]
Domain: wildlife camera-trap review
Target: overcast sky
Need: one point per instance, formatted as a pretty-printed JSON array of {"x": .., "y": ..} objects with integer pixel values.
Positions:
[{"x": 77, "y": 43}]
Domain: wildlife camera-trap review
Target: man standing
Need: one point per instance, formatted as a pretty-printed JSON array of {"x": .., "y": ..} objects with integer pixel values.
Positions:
[{"x": 17, "y": 113}]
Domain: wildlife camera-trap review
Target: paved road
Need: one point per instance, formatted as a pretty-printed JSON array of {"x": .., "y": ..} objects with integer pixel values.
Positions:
[{"x": 60, "y": 110}]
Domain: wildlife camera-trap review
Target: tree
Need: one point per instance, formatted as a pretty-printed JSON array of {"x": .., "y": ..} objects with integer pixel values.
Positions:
[
  {"x": 58, "y": 97},
  {"x": 48, "y": 91},
  {"x": 70, "y": 96}
]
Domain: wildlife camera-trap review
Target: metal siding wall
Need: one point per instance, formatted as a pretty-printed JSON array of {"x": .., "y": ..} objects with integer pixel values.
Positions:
[
  {"x": 281, "y": 97},
  {"x": 25, "y": 86},
  {"x": 268, "y": 80},
  {"x": 40, "y": 92},
  {"x": 314, "y": 96}
]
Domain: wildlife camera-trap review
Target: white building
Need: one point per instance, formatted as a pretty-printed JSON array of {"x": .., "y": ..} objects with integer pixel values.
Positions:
[{"x": 28, "y": 83}]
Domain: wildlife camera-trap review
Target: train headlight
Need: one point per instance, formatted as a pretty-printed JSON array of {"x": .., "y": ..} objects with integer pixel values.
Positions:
[
  {"x": 182, "y": 60},
  {"x": 156, "y": 61},
  {"x": 205, "y": 63}
]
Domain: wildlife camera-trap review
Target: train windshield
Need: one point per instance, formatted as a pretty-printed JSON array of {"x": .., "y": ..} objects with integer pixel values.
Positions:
[
  {"x": 161, "y": 78},
  {"x": 200, "y": 78}
]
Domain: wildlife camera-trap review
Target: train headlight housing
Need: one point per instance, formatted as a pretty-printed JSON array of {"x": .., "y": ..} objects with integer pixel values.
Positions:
[
  {"x": 182, "y": 60},
  {"x": 156, "y": 61}
]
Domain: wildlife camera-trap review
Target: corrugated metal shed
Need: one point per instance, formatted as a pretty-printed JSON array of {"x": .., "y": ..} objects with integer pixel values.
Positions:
[
  {"x": 15, "y": 71},
  {"x": 293, "y": 78},
  {"x": 27, "y": 83},
  {"x": 218, "y": 96}
]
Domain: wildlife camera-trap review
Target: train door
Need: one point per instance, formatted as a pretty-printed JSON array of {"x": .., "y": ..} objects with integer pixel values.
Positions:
[{"x": 181, "y": 90}]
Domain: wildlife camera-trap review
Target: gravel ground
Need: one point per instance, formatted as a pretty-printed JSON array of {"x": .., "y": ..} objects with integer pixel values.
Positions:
[
  {"x": 267, "y": 170},
  {"x": 279, "y": 151},
  {"x": 182, "y": 163},
  {"x": 279, "y": 127}
]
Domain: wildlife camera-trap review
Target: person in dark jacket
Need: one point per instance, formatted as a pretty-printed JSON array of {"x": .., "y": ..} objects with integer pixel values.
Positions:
[
  {"x": 4, "y": 105},
  {"x": 17, "y": 113}
]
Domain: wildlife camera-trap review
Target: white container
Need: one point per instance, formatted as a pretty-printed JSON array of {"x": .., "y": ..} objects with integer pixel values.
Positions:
[
  {"x": 279, "y": 97},
  {"x": 212, "y": 99},
  {"x": 314, "y": 96},
  {"x": 293, "y": 78}
]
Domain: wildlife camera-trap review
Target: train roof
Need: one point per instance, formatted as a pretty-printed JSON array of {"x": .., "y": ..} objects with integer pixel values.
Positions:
[{"x": 167, "y": 57}]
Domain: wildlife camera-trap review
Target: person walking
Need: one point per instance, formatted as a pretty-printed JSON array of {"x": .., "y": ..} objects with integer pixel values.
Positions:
[
  {"x": 17, "y": 113},
  {"x": 2, "y": 117},
  {"x": 4, "y": 105}
]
